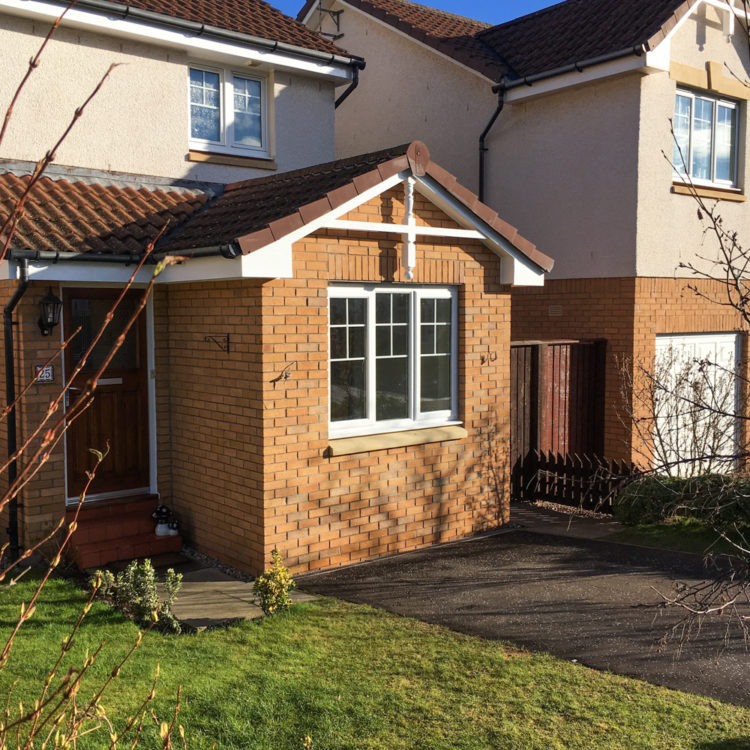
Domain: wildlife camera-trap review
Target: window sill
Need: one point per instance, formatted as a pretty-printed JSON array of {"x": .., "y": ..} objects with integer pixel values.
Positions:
[
  {"x": 721, "y": 194},
  {"x": 254, "y": 162},
  {"x": 366, "y": 443}
]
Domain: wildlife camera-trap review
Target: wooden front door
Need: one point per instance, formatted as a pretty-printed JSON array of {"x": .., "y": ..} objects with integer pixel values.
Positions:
[{"x": 118, "y": 415}]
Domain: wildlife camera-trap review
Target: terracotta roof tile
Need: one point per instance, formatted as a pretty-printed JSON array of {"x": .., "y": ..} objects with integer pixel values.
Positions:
[
  {"x": 257, "y": 212},
  {"x": 78, "y": 217},
  {"x": 450, "y": 34},
  {"x": 563, "y": 34},
  {"x": 254, "y": 17},
  {"x": 246, "y": 207}
]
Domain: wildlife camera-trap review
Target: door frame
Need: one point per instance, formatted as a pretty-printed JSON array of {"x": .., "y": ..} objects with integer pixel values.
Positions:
[{"x": 151, "y": 489}]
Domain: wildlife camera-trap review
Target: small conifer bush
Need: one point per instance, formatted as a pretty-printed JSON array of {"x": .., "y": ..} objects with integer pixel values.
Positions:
[{"x": 272, "y": 587}]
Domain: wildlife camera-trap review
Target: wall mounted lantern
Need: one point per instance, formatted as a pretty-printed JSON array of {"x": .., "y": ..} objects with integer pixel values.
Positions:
[{"x": 50, "y": 317}]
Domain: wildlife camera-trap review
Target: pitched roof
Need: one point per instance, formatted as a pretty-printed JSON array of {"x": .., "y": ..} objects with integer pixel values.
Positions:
[
  {"x": 255, "y": 213},
  {"x": 78, "y": 217},
  {"x": 563, "y": 34},
  {"x": 253, "y": 17},
  {"x": 452, "y": 35},
  {"x": 578, "y": 30}
]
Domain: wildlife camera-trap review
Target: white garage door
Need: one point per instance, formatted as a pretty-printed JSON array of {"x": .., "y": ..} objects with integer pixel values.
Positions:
[{"x": 695, "y": 400}]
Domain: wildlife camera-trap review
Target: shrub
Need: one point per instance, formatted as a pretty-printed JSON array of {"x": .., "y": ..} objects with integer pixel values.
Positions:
[
  {"x": 134, "y": 592},
  {"x": 717, "y": 500},
  {"x": 272, "y": 587}
]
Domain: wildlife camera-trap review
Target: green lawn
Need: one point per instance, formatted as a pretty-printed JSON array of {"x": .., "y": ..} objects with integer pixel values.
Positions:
[
  {"x": 354, "y": 677},
  {"x": 685, "y": 534}
]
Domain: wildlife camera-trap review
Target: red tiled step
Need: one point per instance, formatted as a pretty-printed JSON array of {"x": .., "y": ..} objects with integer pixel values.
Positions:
[
  {"x": 96, "y": 554},
  {"x": 122, "y": 529}
]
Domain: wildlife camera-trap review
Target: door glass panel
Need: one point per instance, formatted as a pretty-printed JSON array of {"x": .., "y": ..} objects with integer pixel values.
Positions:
[{"x": 89, "y": 315}]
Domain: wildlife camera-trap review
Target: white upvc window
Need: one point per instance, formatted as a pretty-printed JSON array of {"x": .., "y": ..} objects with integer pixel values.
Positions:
[
  {"x": 705, "y": 139},
  {"x": 227, "y": 111},
  {"x": 392, "y": 358}
]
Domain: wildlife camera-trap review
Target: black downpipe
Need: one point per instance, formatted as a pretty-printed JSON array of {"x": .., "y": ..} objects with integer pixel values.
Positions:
[
  {"x": 10, "y": 397},
  {"x": 482, "y": 148},
  {"x": 353, "y": 85}
]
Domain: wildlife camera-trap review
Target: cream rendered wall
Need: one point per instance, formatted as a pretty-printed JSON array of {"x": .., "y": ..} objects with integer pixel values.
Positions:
[
  {"x": 562, "y": 169},
  {"x": 139, "y": 121},
  {"x": 669, "y": 231},
  {"x": 408, "y": 92}
]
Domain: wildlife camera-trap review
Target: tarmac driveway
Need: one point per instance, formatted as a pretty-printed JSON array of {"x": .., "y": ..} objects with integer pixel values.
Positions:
[{"x": 578, "y": 599}]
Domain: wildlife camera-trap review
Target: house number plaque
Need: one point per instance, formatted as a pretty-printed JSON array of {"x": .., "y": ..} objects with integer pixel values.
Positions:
[{"x": 44, "y": 373}]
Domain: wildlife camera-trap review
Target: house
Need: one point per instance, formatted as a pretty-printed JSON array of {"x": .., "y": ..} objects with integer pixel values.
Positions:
[
  {"x": 323, "y": 363},
  {"x": 560, "y": 120}
]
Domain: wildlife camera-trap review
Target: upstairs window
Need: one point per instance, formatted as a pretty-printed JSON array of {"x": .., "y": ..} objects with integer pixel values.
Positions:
[
  {"x": 705, "y": 134},
  {"x": 227, "y": 112},
  {"x": 393, "y": 362}
]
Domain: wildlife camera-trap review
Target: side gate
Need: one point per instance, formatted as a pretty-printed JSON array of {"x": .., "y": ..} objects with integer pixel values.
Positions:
[{"x": 557, "y": 402}]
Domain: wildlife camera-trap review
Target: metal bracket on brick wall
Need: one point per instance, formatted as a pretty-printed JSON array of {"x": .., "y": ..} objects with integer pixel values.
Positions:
[{"x": 221, "y": 341}]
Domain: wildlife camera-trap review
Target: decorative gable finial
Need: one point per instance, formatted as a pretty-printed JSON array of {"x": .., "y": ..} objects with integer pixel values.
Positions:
[{"x": 410, "y": 239}]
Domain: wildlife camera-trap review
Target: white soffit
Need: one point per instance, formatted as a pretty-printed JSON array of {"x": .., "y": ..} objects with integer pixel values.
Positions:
[{"x": 197, "y": 47}]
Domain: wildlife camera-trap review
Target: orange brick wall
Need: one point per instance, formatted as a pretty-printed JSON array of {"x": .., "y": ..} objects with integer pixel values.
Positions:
[
  {"x": 628, "y": 313},
  {"x": 322, "y": 512},
  {"x": 210, "y": 425},
  {"x": 43, "y": 499}
]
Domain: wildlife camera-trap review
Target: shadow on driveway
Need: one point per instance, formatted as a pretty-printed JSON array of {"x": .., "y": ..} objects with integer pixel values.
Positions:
[{"x": 577, "y": 599}]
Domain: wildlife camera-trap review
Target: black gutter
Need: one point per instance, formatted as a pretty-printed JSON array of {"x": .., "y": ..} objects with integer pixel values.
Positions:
[
  {"x": 228, "y": 250},
  {"x": 482, "y": 148},
  {"x": 200, "y": 29},
  {"x": 353, "y": 85},
  {"x": 10, "y": 397},
  {"x": 504, "y": 85}
]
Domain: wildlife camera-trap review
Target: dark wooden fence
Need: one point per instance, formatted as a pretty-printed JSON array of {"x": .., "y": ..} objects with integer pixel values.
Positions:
[{"x": 588, "y": 482}]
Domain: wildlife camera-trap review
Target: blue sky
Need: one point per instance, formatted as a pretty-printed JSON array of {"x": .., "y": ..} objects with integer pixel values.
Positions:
[{"x": 483, "y": 10}]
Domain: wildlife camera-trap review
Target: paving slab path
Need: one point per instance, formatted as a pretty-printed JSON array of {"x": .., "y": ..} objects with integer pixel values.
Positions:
[
  {"x": 577, "y": 598},
  {"x": 210, "y": 597}
]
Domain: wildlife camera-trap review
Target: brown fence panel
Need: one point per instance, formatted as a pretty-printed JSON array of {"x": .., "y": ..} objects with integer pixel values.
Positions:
[{"x": 587, "y": 481}]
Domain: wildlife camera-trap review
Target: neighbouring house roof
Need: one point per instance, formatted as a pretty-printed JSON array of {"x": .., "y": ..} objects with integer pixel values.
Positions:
[
  {"x": 452, "y": 35},
  {"x": 254, "y": 213},
  {"x": 578, "y": 30},
  {"x": 252, "y": 17},
  {"x": 63, "y": 216},
  {"x": 563, "y": 34}
]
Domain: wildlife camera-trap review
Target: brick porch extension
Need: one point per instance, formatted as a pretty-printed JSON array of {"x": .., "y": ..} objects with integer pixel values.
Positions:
[{"x": 121, "y": 529}]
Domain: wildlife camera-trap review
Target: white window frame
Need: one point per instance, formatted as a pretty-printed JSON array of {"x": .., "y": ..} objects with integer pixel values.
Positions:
[
  {"x": 226, "y": 144},
  {"x": 416, "y": 419},
  {"x": 679, "y": 173}
]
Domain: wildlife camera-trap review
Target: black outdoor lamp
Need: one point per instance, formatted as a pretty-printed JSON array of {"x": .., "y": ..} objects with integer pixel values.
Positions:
[{"x": 50, "y": 316}]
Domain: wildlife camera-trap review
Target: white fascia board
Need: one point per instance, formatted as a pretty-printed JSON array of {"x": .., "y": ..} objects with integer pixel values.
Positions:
[
  {"x": 196, "y": 46},
  {"x": 628, "y": 64},
  {"x": 424, "y": 46},
  {"x": 79, "y": 272},
  {"x": 515, "y": 268}
]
